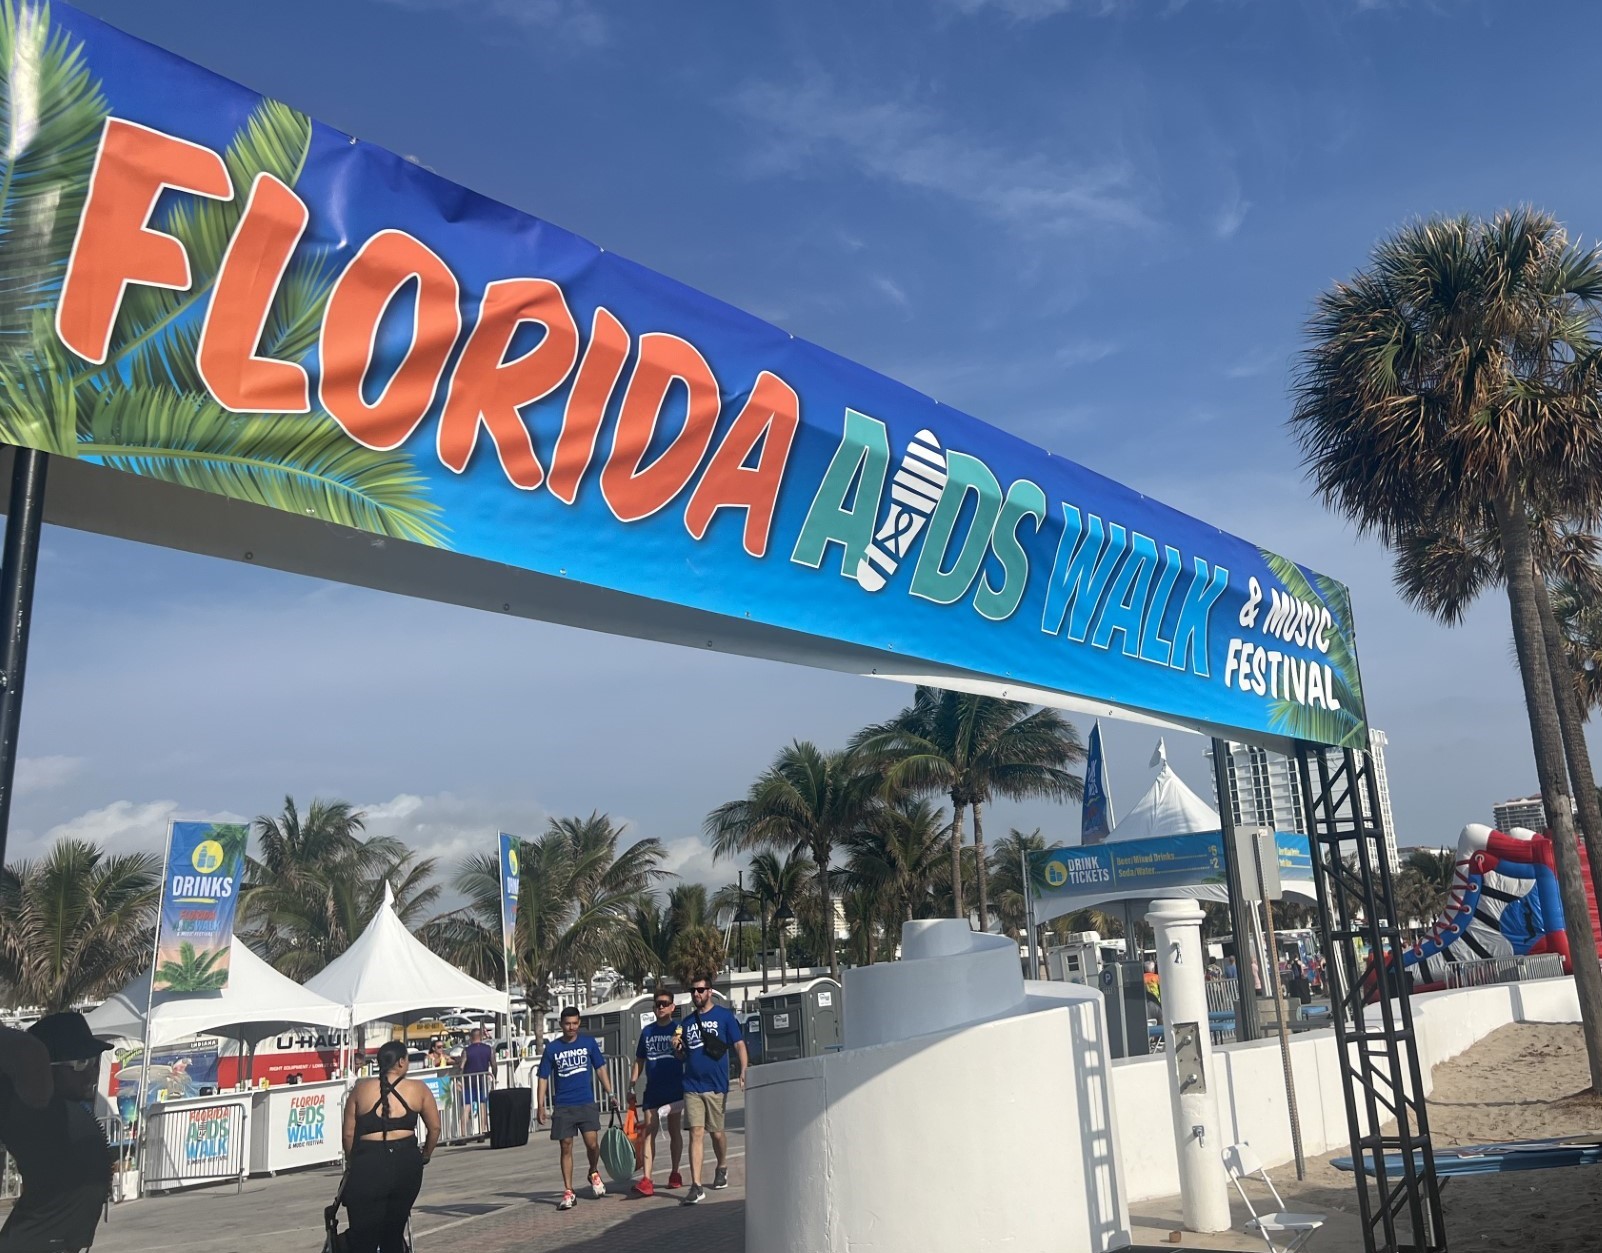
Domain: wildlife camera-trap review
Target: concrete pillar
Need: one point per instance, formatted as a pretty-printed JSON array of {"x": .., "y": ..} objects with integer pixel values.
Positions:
[{"x": 1193, "y": 1083}]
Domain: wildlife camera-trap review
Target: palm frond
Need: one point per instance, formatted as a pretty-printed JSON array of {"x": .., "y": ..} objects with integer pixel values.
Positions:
[{"x": 299, "y": 464}]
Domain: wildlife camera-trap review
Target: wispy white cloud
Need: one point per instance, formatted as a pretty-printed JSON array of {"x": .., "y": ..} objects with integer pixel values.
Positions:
[
  {"x": 1085, "y": 352},
  {"x": 1034, "y": 10},
  {"x": 892, "y": 291},
  {"x": 126, "y": 826},
  {"x": 1230, "y": 216},
  {"x": 41, "y": 774},
  {"x": 897, "y": 141},
  {"x": 577, "y": 20},
  {"x": 1255, "y": 361}
]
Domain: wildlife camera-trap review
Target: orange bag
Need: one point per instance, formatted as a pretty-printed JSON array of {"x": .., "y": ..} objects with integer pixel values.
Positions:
[{"x": 634, "y": 1129}]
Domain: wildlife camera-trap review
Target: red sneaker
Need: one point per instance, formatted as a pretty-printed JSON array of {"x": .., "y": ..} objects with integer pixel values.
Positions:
[
  {"x": 645, "y": 1187},
  {"x": 675, "y": 1180}
]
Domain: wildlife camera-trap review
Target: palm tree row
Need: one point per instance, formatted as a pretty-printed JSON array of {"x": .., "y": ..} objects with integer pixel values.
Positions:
[{"x": 871, "y": 802}]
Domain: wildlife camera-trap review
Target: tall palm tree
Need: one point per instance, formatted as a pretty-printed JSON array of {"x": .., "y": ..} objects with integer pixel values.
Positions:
[
  {"x": 75, "y": 925},
  {"x": 972, "y": 749},
  {"x": 1007, "y": 873},
  {"x": 900, "y": 858},
  {"x": 1459, "y": 374},
  {"x": 578, "y": 895},
  {"x": 779, "y": 884},
  {"x": 806, "y": 801},
  {"x": 316, "y": 883},
  {"x": 1443, "y": 569},
  {"x": 145, "y": 409}
]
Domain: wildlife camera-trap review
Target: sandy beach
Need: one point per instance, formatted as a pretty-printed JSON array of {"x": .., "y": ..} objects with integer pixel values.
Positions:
[{"x": 1520, "y": 1082}]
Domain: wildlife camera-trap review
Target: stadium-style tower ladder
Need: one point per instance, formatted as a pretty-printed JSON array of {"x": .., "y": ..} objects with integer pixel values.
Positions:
[{"x": 1398, "y": 1193}]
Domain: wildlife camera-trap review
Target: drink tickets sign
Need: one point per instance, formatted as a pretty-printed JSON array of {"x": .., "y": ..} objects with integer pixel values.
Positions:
[{"x": 288, "y": 346}]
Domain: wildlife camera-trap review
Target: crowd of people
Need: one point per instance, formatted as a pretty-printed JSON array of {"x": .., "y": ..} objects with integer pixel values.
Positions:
[{"x": 391, "y": 1124}]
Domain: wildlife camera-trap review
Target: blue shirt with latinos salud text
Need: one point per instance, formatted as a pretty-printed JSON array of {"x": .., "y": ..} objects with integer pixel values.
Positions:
[
  {"x": 572, "y": 1065},
  {"x": 701, "y": 1073},
  {"x": 664, "y": 1073}
]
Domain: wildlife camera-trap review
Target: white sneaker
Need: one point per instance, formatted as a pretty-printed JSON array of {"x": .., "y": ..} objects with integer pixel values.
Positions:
[{"x": 597, "y": 1188}]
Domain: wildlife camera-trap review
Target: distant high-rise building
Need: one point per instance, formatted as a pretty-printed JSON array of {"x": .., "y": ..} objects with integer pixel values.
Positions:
[
  {"x": 1265, "y": 790},
  {"x": 1524, "y": 811}
]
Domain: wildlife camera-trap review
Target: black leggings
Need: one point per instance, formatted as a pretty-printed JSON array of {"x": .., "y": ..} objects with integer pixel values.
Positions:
[{"x": 384, "y": 1180}]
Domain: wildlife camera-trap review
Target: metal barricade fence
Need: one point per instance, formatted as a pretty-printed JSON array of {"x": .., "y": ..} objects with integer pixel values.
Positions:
[
  {"x": 464, "y": 1113},
  {"x": 1222, "y": 994},
  {"x": 191, "y": 1145},
  {"x": 1482, "y": 972}
]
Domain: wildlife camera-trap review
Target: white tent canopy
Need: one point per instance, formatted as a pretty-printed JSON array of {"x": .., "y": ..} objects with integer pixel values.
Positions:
[
  {"x": 257, "y": 1003},
  {"x": 1168, "y": 808},
  {"x": 389, "y": 974}
]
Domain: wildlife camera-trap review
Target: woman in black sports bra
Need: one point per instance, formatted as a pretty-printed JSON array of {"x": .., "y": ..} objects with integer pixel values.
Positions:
[{"x": 385, "y": 1163}]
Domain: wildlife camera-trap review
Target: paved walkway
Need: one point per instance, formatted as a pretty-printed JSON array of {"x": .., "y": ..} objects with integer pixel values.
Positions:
[{"x": 473, "y": 1198}]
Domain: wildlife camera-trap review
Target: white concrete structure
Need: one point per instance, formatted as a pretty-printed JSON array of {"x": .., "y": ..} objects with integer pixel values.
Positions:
[
  {"x": 1251, "y": 1089},
  {"x": 1182, "y": 968},
  {"x": 954, "y": 1102}
]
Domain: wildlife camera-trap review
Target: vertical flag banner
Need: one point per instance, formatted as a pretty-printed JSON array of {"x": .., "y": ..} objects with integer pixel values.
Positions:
[
  {"x": 1096, "y": 819},
  {"x": 198, "y": 897},
  {"x": 509, "y": 886}
]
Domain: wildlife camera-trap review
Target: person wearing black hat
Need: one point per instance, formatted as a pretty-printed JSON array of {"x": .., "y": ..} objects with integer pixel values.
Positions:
[{"x": 47, "y": 1081}]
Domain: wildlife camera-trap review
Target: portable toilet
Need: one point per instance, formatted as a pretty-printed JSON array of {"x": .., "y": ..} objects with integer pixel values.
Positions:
[
  {"x": 617, "y": 1024},
  {"x": 800, "y": 1020}
]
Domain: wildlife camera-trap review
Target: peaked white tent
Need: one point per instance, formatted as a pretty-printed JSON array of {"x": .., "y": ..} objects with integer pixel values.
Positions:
[
  {"x": 257, "y": 1003},
  {"x": 389, "y": 974},
  {"x": 1169, "y": 807}
]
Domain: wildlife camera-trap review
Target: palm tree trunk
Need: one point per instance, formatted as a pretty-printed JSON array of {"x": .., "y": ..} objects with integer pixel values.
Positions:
[
  {"x": 764, "y": 910},
  {"x": 1572, "y": 725},
  {"x": 957, "y": 908},
  {"x": 981, "y": 872},
  {"x": 1546, "y": 734},
  {"x": 821, "y": 855}
]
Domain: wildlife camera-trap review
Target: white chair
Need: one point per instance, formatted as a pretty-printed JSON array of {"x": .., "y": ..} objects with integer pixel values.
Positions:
[{"x": 1242, "y": 1163}]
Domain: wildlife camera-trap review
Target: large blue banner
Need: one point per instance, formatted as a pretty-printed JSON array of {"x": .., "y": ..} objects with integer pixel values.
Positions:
[
  {"x": 205, "y": 289},
  {"x": 1096, "y": 815},
  {"x": 1066, "y": 879},
  {"x": 198, "y": 898},
  {"x": 511, "y": 884}
]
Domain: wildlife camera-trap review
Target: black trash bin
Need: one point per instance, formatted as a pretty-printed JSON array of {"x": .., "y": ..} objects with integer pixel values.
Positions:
[{"x": 510, "y": 1110}]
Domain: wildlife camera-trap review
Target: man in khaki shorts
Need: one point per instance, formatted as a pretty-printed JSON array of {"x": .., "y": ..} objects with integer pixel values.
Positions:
[{"x": 709, "y": 1030}]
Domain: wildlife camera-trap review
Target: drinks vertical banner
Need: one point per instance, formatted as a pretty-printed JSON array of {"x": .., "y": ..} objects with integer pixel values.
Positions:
[
  {"x": 198, "y": 897},
  {"x": 509, "y": 885},
  {"x": 1096, "y": 818}
]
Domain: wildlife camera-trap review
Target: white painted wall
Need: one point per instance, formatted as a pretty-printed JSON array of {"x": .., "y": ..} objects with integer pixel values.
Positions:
[
  {"x": 928, "y": 1129},
  {"x": 1252, "y": 1090}
]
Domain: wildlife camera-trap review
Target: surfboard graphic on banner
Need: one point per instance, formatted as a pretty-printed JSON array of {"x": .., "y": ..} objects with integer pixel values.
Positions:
[
  {"x": 509, "y": 895},
  {"x": 198, "y": 898}
]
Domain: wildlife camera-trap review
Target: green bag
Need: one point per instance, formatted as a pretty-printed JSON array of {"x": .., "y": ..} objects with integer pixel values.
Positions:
[{"x": 617, "y": 1153}]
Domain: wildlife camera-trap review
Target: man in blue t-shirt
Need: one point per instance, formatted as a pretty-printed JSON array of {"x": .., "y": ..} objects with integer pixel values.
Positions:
[
  {"x": 478, "y": 1077},
  {"x": 709, "y": 1029},
  {"x": 566, "y": 1067},
  {"x": 664, "y": 1090}
]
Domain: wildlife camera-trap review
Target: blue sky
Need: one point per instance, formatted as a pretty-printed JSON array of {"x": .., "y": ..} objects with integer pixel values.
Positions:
[{"x": 1097, "y": 225}]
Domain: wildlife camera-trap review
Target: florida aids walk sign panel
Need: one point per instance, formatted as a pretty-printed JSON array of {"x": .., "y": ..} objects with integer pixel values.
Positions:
[{"x": 244, "y": 333}]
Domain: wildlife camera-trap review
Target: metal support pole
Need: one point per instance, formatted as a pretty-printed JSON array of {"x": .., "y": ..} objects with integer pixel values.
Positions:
[
  {"x": 1284, "y": 1027},
  {"x": 24, "y": 520},
  {"x": 1246, "y": 1024},
  {"x": 1029, "y": 912}
]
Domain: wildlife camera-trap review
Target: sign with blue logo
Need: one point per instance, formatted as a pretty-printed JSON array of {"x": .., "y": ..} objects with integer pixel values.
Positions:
[{"x": 198, "y": 898}]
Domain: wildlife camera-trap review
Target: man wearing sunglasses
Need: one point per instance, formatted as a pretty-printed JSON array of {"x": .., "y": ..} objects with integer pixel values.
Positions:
[
  {"x": 664, "y": 1091},
  {"x": 710, "y": 1033},
  {"x": 47, "y": 1123}
]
